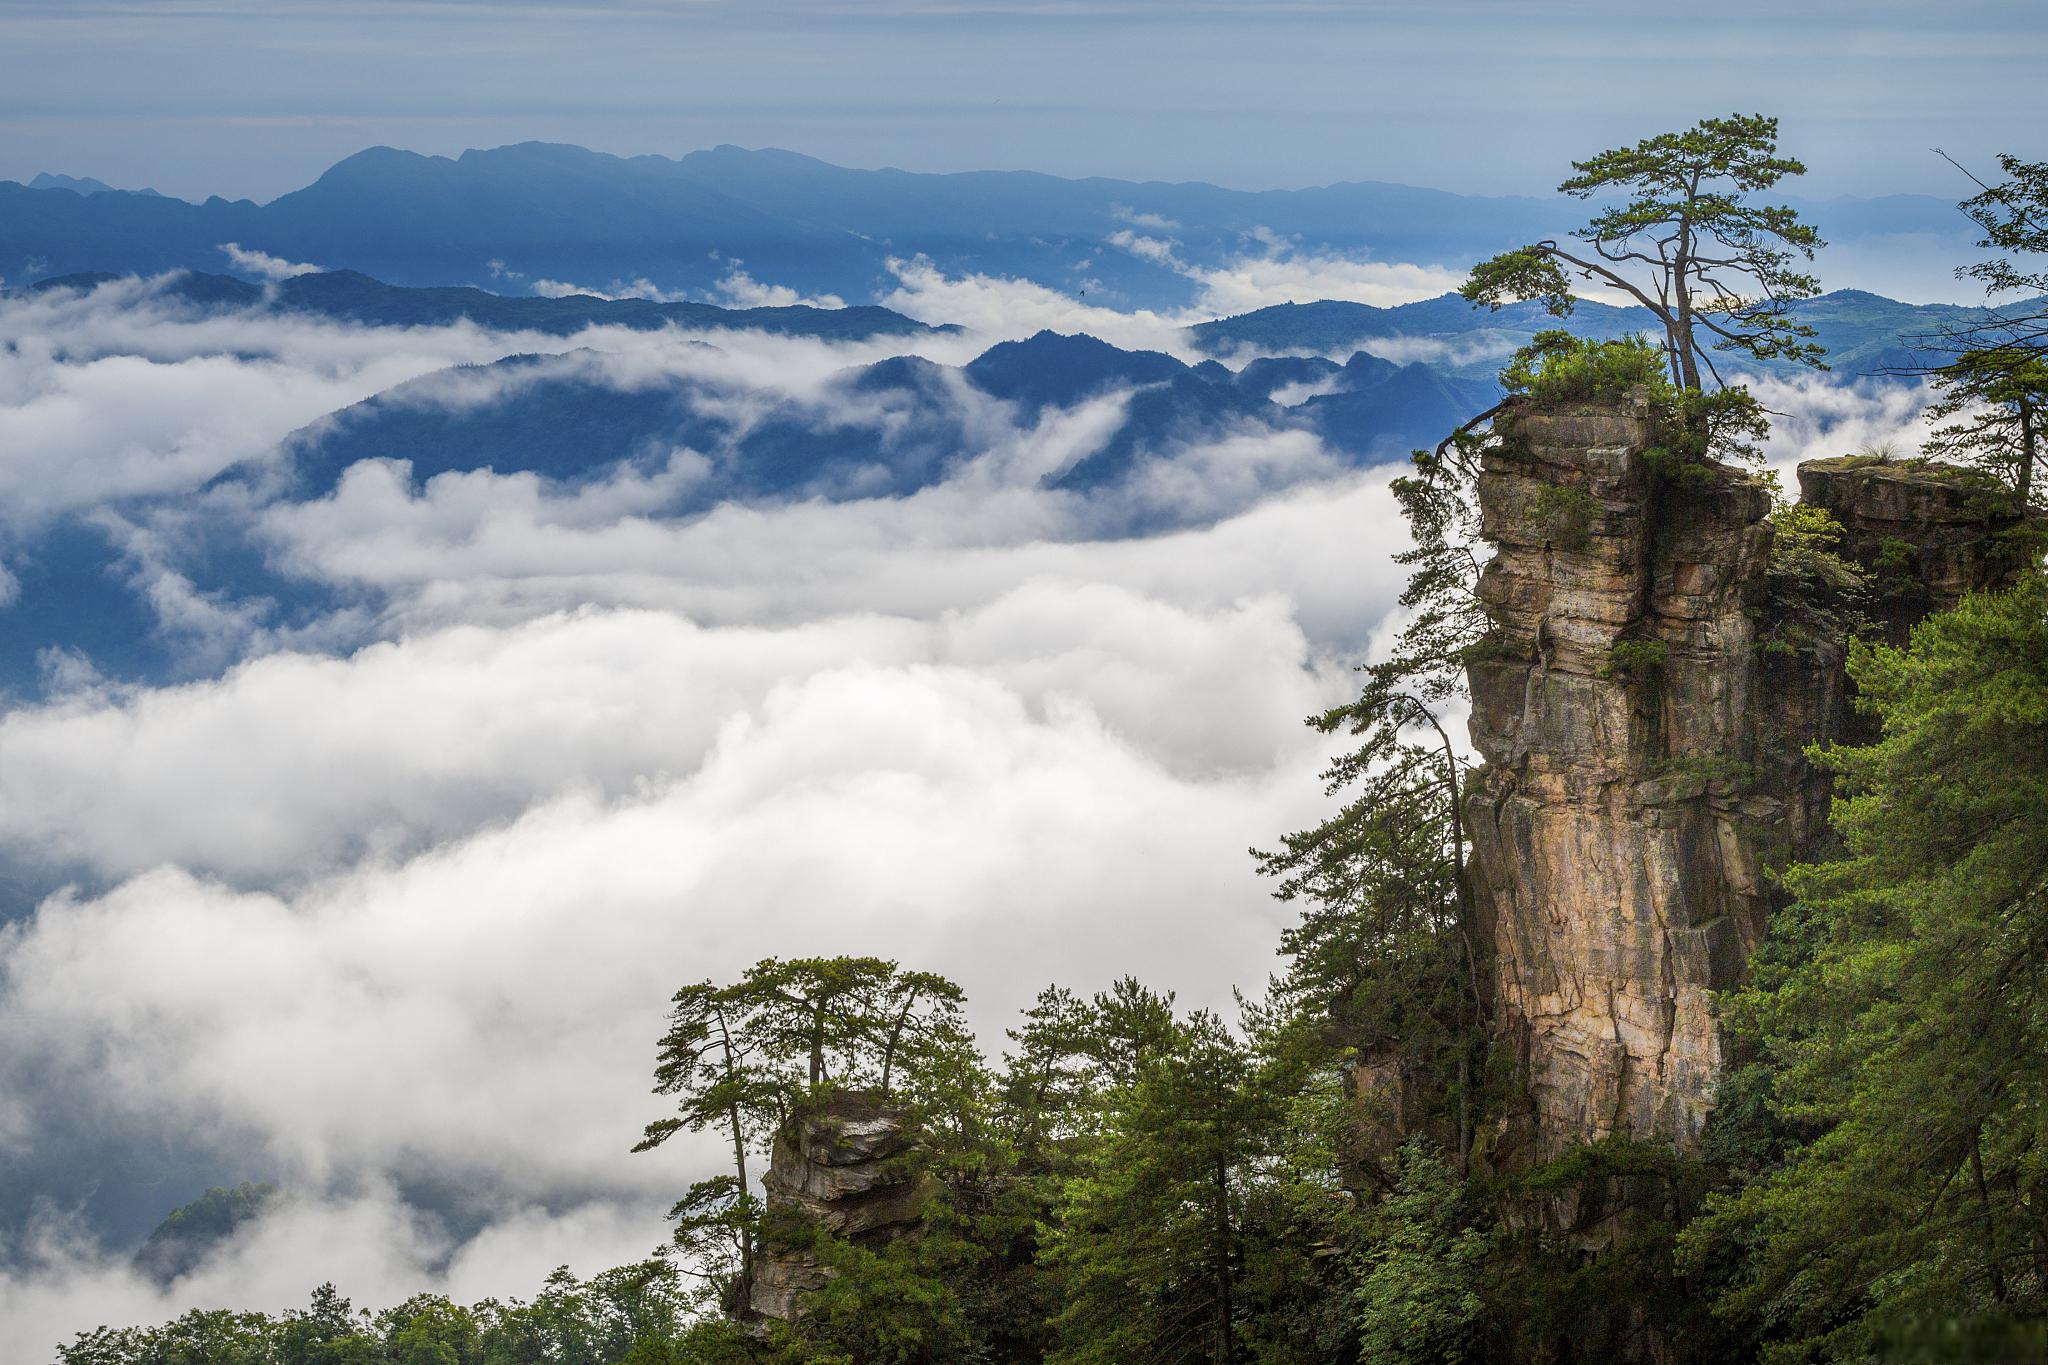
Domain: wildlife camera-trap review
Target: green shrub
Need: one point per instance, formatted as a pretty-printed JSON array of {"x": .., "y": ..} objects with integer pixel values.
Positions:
[
  {"x": 1691, "y": 425},
  {"x": 1557, "y": 367},
  {"x": 1566, "y": 515},
  {"x": 1635, "y": 658}
]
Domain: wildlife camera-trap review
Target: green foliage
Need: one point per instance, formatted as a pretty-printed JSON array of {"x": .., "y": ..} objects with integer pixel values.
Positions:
[
  {"x": 1815, "y": 592},
  {"x": 1689, "y": 426},
  {"x": 1634, "y": 659},
  {"x": 182, "y": 1240},
  {"x": 1725, "y": 424},
  {"x": 635, "y": 1315},
  {"x": 1418, "y": 1298},
  {"x": 1566, "y": 515},
  {"x": 2000, "y": 397},
  {"x": 2014, "y": 217},
  {"x": 1557, "y": 367},
  {"x": 1147, "y": 1248},
  {"x": 1900, "y": 1197},
  {"x": 1706, "y": 769},
  {"x": 743, "y": 1058},
  {"x": 1686, "y": 242}
]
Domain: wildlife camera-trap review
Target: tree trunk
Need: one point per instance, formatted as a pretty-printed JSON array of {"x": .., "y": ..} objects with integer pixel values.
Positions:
[
  {"x": 1224, "y": 1335},
  {"x": 2025, "y": 485},
  {"x": 817, "y": 1045},
  {"x": 895, "y": 1037},
  {"x": 1991, "y": 1261},
  {"x": 739, "y": 1162},
  {"x": 1681, "y": 335},
  {"x": 1681, "y": 292}
]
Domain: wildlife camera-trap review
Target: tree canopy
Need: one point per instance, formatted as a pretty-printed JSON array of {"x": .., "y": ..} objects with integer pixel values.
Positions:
[{"x": 1687, "y": 242}]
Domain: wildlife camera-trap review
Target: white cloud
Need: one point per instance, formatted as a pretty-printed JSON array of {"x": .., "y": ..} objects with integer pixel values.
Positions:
[
  {"x": 263, "y": 264},
  {"x": 481, "y": 547},
  {"x": 738, "y": 289},
  {"x": 1056, "y": 786},
  {"x": 118, "y": 394},
  {"x": 596, "y": 752},
  {"x": 1156, "y": 222},
  {"x": 484, "y": 1010},
  {"x": 55, "y": 1282},
  {"x": 1159, "y": 250},
  {"x": 1293, "y": 395},
  {"x": 1467, "y": 349},
  {"x": 618, "y": 289},
  {"x": 1283, "y": 275},
  {"x": 1814, "y": 417},
  {"x": 996, "y": 307}
]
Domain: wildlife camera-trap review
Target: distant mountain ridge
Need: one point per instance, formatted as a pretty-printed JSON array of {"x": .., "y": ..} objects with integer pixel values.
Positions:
[
  {"x": 350, "y": 296},
  {"x": 1363, "y": 385},
  {"x": 536, "y": 211},
  {"x": 1865, "y": 334},
  {"x": 565, "y": 418},
  {"x": 82, "y": 184}
]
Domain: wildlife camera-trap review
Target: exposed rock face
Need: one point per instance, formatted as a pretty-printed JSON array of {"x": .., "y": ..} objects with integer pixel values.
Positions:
[
  {"x": 1927, "y": 532},
  {"x": 848, "y": 1167},
  {"x": 1643, "y": 762},
  {"x": 1605, "y": 825}
]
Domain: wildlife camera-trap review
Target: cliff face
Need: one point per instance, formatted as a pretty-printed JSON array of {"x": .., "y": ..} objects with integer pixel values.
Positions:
[
  {"x": 846, "y": 1167},
  {"x": 1927, "y": 533},
  {"x": 1641, "y": 715}
]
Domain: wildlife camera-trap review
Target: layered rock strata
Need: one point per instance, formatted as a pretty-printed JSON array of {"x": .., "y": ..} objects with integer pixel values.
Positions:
[
  {"x": 848, "y": 1167},
  {"x": 1928, "y": 533},
  {"x": 1642, "y": 741}
]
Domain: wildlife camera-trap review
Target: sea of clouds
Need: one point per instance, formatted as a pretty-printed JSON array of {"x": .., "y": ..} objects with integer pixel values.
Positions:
[{"x": 387, "y": 909}]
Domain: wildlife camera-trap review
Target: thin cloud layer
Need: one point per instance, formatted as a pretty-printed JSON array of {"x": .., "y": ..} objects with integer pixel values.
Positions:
[
  {"x": 1275, "y": 272},
  {"x": 262, "y": 264}
]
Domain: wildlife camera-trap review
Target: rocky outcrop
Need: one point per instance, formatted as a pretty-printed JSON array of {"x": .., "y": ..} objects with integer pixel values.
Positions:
[
  {"x": 846, "y": 1167},
  {"x": 1610, "y": 864},
  {"x": 1927, "y": 532},
  {"x": 1642, "y": 744}
]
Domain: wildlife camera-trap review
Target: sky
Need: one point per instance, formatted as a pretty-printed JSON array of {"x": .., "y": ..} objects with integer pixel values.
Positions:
[{"x": 251, "y": 98}]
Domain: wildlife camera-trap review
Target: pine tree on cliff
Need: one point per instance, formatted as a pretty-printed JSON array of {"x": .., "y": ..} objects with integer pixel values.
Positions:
[
  {"x": 1716, "y": 270},
  {"x": 1999, "y": 398},
  {"x": 1998, "y": 382}
]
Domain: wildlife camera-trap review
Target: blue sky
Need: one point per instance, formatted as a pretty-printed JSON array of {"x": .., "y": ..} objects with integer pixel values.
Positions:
[{"x": 255, "y": 97}]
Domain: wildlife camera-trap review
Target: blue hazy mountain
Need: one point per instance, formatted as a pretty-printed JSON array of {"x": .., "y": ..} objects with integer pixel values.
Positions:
[
  {"x": 81, "y": 184},
  {"x": 558, "y": 212},
  {"x": 565, "y": 418},
  {"x": 1056, "y": 370},
  {"x": 1370, "y": 383},
  {"x": 351, "y": 296},
  {"x": 1865, "y": 334},
  {"x": 886, "y": 429},
  {"x": 545, "y": 211}
]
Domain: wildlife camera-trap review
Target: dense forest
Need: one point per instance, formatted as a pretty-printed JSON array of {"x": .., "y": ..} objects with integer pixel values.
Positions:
[{"x": 1331, "y": 1175}]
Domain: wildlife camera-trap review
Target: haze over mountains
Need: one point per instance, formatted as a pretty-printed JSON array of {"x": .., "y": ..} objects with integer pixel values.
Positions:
[
  {"x": 560, "y": 393},
  {"x": 537, "y": 212}
]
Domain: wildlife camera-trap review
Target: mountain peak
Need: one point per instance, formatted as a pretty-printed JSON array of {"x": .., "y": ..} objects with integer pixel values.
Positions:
[{"x": 81, "y": 184}]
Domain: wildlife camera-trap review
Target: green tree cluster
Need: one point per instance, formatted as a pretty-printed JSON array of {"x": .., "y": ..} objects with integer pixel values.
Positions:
[{"x": 635, "y": 1315}]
